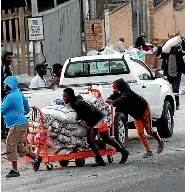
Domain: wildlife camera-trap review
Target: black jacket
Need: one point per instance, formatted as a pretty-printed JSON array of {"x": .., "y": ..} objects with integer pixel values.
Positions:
[
  {"x": 85, "y": 112},
  {"x": 5, "y": 72},
  {"x": 179, "y": 61},
  {"x": 127, "y": 101}
]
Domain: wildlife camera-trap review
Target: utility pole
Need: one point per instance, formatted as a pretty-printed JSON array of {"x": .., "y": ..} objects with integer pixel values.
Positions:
[
  {"x": 144, "y": 16},
  {"x": 147, "y": 23},
  {"x": 138, "y": 17},
  {"x": 34, "y": 10},
  {"x": 92, "y": 9}
]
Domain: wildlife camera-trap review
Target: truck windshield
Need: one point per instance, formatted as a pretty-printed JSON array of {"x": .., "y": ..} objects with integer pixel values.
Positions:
[{"x": 96, "y": 68}]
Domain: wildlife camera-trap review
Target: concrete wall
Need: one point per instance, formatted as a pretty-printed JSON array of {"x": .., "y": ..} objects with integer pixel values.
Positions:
[
  {"x": 164, "y": 20},
  {"x": 120, "y": 25}
]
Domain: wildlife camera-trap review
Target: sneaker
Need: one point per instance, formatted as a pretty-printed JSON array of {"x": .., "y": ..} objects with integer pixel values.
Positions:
[
  {"x": 36, "y": 163},
  {"x": 124, "y": 158},
  {"x": 13, "y": 173},
  {"x": 160, "y": 147},
  {"x": 148, "y": 154},
  {"x": 177, "y": 107}
]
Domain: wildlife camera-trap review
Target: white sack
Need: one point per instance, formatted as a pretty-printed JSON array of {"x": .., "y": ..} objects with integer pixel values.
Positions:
[
  {"x": 173, "y": 42},
  {"x": 62, "y": 113}
]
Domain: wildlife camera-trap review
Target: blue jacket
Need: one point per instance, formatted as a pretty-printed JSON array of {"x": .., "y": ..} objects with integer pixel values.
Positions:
[{"x": 15, "y": 106}]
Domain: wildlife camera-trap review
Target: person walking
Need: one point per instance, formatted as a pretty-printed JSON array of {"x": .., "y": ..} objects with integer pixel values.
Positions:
[
  {"x": 173, "y": 66},
  {"x": 127, "y": 101},
  {"x": 14, "y": 108},
  {"x": 6, "y": 59},
  {"x": 93, "y": 119}
]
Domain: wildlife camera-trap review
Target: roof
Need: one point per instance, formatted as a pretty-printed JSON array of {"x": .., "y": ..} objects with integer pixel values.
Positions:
[{"x": 100, "y": 57}]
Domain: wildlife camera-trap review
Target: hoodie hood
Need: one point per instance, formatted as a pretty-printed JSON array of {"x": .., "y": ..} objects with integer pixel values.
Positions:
[
  {"x": 4, "y": 54},
  {"x": 122, "y": 85},
  {"x": 12, "y": 82}
]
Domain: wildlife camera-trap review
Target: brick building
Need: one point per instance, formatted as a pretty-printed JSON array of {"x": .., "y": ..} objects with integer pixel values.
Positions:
[
  {"x": 120, "y": 25},
  {"x": 165, "y": 18}
]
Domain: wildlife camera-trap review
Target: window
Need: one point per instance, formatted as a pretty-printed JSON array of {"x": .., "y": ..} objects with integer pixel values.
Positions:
[
  {"x": 97, "y": 68},
  {"x": 143, "y": 72}
]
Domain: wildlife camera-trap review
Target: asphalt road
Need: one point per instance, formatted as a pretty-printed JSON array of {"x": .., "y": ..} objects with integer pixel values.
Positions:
[{"x": 160, "y": 173}]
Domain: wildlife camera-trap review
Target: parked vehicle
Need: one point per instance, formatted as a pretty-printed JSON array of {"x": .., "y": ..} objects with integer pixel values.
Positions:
[{"x": 100, "y": 71}]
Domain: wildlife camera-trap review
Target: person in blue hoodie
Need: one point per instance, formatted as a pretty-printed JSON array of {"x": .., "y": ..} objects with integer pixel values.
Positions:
[{"x": 14, "y": 108}]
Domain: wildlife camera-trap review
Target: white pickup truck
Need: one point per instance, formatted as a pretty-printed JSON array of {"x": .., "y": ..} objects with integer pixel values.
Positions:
[{"x": 100, "y": 71}]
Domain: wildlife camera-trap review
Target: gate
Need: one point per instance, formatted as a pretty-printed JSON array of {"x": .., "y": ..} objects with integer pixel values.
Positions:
[{"x": 15, "y": 38}]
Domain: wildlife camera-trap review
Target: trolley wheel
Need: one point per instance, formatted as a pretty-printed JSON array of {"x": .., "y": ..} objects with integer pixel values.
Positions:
[
  {"x": 64, "y": 163},
  {"x": 110, "y": 158},
  {"x": 80, "y": 162},
  {"x": 49, "y": 166}
]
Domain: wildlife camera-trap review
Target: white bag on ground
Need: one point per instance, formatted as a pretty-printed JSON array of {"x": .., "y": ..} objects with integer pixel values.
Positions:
[
  {"x": 62, "y": 113},
  {"x": 173, "y": 42}
]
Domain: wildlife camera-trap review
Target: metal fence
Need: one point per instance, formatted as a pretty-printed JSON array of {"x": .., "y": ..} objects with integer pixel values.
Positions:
[
  {"x": 62, "y": 31},
  {"x": 15, "y": 38}
]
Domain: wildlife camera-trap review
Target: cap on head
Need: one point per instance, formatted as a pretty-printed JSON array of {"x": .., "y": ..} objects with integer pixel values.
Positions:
[
  {"x": 39, "y": 65},
  {"x": 5, "y": 53}
]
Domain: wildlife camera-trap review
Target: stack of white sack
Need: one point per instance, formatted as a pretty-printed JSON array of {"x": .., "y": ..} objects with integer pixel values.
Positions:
[{"x": 64, "y": 128}]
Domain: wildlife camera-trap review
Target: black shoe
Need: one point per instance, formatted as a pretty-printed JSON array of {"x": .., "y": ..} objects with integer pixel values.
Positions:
[
  {"x": 13, "y": 173},
  {"x": 36, "y": 163},
  {"x": 124, "y": 158},
  {"x": 99, "y": 164}
]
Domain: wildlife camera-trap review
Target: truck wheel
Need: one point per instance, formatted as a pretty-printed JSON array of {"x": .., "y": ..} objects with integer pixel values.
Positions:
[
  {"x": 121, "y": 129},
  {"x": 166, "y": 122}
]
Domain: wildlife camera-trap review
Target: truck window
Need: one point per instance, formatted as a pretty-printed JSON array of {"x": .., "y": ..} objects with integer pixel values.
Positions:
[
  {"x": 97, "y": 68},
  {"x": 143, "y": 72}
]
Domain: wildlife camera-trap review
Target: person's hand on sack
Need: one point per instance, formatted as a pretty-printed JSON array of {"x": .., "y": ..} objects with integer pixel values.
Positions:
[{"x": 109, "y": 101}]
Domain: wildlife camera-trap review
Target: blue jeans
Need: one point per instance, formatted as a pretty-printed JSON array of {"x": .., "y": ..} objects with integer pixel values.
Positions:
[{"x": 175, "y": 81}]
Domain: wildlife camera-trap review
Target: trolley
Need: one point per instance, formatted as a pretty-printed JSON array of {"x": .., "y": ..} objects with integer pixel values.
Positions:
[{"x": 77, "y": 157}]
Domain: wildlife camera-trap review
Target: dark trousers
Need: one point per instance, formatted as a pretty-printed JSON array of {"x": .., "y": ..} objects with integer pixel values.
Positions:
[
  {"x": 91, "y": 134},
  {"x": 175, "y": 81}
]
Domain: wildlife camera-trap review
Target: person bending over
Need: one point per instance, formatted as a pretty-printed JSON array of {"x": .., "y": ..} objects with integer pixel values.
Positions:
[
  {"x": 129, "y": 102},
  {"x": 93, "y": 118}
]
